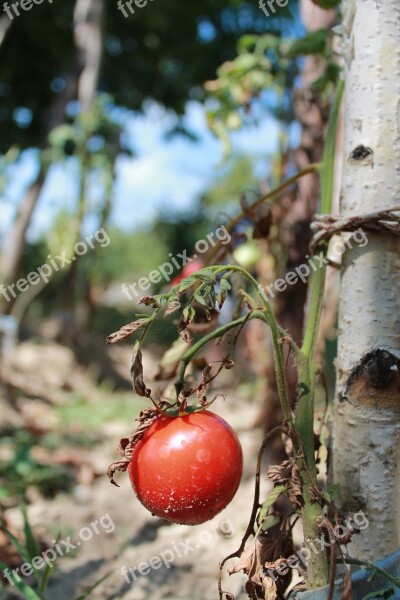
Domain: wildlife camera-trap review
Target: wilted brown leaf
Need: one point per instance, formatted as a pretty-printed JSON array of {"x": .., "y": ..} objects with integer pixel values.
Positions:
[
  {"x": 172, "y": 307},
  {"x": 126, "y": 331},
  {"x": 246, "y": 560},
  {"x": 127, "y": 445},
  {"x": 259, "y": 585},
  {"x": 279, "y": 473},
  {"x": 295, "y": 488},
  {"x": 137, "y": 373}
]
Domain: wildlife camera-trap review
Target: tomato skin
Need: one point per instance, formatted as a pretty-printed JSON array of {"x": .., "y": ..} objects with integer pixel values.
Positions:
[{"x": 187, "y": 469}]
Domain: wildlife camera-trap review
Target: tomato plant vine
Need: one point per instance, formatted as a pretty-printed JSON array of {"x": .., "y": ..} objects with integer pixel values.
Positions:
[{"x": 204, "y": 292}]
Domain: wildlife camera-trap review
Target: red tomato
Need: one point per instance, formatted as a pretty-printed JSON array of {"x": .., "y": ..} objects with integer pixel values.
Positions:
[{"x": 187, "y": 469}]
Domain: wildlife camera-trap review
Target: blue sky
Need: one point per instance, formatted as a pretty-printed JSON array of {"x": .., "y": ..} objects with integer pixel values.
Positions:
[{"x": 172, "y": 172}]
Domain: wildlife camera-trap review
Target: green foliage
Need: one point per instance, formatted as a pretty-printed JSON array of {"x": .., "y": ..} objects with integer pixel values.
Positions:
[
  {"x": 130, "y": 256},
  {"x": 79, "y": 410},
  {"x": 265, "y": 63},
  {"x": 144, "y": 56},
  {"x": 327, "y": 4},
  {"x": 22, "y": 470},
  {"x": 270, "y": 500},
  {"x": 315, "y": 42},
  {"x": 28, "y": 549}
]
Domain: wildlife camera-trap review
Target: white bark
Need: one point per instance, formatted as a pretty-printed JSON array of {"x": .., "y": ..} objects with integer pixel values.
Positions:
[{"x": 366, "y": 446}]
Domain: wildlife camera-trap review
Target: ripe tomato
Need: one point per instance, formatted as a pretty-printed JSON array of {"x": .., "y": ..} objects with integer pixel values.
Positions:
[{"x": 187, "y": 469}]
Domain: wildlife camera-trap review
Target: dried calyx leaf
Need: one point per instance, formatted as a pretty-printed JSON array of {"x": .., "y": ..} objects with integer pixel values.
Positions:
[
  {"x": 127, "y": 445},
  {"x": 126, "y": 331}
]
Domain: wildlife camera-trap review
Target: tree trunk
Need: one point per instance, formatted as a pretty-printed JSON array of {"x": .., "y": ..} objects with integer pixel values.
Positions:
[
  {"x": 81, "y": 83},
  {"x": 366, "y": 440}
]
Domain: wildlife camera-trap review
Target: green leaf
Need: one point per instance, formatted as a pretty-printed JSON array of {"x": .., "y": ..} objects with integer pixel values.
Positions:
[
  {"x": 28, "y": 592},
  {"x": 47, "y": 571},
  {"x": 186, "y": 284},
  {"x": 206, "y": 276},
  {"x": 90, "y": 590},
  {"x": 269, "y": 522},
  {"x": 61, "y": 134},
  {"x": 200, "y": 299},
  {"x": 22, "y": 551},
  {"x": 272, "y": 497},
  {"x": 224, "y": 287},
  {"x": 314, "y": 42},
  {"x": 32, "y": 545},
  {"x": 330, "y": 76},
  {"x": 189, "y": 314},
  {"x": 333, "y": 491},
  {"x": 247, "y": 43},
  {"x": 327, "y": 4}
]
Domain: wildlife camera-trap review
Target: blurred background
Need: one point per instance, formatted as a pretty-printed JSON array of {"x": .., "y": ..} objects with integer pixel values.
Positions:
[{"x": 125, "y": 138}]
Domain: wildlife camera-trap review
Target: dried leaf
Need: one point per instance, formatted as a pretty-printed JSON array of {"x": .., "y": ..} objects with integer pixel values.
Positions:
[
  {"x": 127, "y": 445},
  {"x": 126, "y": 331},
  {"x": 185, "y": 335},
  {"x": 277, "y": 472},
  {"x": 295, "y": 488},
  {"x": 246, "y": 560},
  {"x": 173, "y": 306},
  {"x": 259, "y": 584},
  {"x": 137, "y": 372},
  {"x": 150, "y": 301},
  {"x": 270, "y": 589}
]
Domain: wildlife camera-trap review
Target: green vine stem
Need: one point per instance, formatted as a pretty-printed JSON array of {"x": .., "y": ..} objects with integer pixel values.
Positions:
[
  {"x": 317, "y": 568},
  {"x": 217, "y": 333}
]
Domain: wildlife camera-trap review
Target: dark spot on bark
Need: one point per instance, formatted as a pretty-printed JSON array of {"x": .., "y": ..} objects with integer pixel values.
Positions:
[
  {"x": 375, "y": 381},
  {"x": 361, "y": 153}
]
